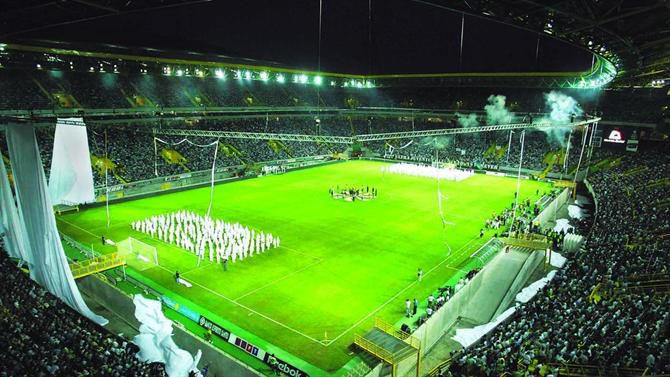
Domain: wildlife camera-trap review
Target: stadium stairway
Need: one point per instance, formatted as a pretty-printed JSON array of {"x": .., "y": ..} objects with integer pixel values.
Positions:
[
  {"x": 498, "y": 282},
  {"x": 499, "y": 275},
  {"x": 523, "y": 277}
]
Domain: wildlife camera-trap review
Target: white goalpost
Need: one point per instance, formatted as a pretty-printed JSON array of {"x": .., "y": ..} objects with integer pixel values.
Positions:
[{"x": 138, "y": 254}]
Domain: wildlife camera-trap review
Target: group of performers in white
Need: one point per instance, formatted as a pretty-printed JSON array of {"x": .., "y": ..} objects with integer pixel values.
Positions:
[
  {"x": 450, "y": 174},
  {"x": 201, "y": 234}
]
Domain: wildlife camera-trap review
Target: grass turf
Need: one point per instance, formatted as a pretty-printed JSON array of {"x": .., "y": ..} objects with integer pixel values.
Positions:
[{"x": 341, "y": 264}]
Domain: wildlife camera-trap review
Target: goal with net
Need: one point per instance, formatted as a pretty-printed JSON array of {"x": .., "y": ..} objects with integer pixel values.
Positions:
[{"x": 138, "y": 254}]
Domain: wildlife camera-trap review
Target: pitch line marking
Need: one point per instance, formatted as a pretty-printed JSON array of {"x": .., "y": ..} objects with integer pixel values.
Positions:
[
  {"x": 277, "y": 280},
  {"x": 144, "y": 237},
  {"x": 249, "y": 309},
  {"x": 455, "y": 269},
  {"x": 78, "y": 227},
  {"x": 323, "y": 343},
  {"x": 392, "y": 298},
  {"x": 224, "y": 297},
  {"x": 300, "y": 252}
]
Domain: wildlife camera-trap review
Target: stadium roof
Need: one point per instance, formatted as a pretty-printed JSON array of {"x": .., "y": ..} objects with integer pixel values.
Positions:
[
  {"x": 371, "y": 37},
  {"x": 633, "y": 33}
]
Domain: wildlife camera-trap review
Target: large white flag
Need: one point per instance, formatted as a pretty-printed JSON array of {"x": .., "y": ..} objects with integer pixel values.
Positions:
[{"x": 71, "y": 177}]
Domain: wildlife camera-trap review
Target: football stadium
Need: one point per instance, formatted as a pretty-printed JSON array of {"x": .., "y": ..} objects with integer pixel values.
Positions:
[{"x": 335, "y": 188}]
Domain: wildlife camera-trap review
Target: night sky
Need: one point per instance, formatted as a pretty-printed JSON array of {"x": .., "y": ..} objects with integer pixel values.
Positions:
[{"x": 401, "y": 36}]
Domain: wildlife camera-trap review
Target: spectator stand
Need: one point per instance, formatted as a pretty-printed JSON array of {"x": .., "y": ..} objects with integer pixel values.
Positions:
[{"x": 43, "y": 336}]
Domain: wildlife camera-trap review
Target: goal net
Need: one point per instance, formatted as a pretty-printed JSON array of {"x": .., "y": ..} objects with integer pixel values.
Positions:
[{"x": 138, "y": 254}]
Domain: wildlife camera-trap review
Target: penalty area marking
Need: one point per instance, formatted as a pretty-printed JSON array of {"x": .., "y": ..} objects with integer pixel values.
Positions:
[
  {"x": 224, "y": 297},
  {"x": 249, "y": 309}
]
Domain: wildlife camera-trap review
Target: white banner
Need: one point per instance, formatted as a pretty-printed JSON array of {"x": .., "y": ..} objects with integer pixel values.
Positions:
[{"x": 71, "y": 177}]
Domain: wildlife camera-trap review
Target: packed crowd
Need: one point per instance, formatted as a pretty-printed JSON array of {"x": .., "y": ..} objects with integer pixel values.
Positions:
[
  {"x": 526, "y": 212},
  {"x": 135, "y": 156},
  {"x": 131, "y": 155},
  {"x": 489, "y": 149},
  {"x": 41, "y": 336},
  {"x": 563, "y": 324},
  {"x": 199, "y": 234},
  {"x": 31, "y": 89}
]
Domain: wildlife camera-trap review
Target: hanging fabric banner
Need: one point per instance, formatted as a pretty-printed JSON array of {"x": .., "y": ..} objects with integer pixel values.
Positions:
[
  {"x": 50, "y": 267},
  {"x": 71, "y": 177}
]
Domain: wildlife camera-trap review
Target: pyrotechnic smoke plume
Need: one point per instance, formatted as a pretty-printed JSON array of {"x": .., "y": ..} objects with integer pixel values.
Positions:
[
  {"x": 562, "y": 109},
  {"x": 437, "y": 142},
  {"x": 496, "y": 112},
  {"x": 469, "y": 120}
]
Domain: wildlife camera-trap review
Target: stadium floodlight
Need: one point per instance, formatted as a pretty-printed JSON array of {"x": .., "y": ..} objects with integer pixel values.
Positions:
[
  {"x": 264, "y": 76},
  {"x": 220, "y": 74},
  {"x": 280, "y": 78},
  {"x": 180, "y": 72},
  {"x": 318, "y": 80},
  {"x": 359, "y": 84},
  {"x": 238, "y": 75},
  {"x": 39, "y": 66},
  {"x": 247, "y": 75},
  {"x": 91, "y": 69},
  {"x": 333, "y": 83},
  {"x": 296, "y": 79},
  {"x": 303, "y": 79},
  {"x": 369, "y": 84}
]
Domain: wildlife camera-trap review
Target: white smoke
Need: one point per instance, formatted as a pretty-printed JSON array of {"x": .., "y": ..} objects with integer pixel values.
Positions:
[
  {"x": 496, "y": 112},
  {"x": 469, "y": 120},
  {"x": 562, "y": 110},
  {"x": 437, "y": 142}
]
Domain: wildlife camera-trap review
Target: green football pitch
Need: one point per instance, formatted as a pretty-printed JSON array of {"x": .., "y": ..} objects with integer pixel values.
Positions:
[{"x": 340, "y": 264}]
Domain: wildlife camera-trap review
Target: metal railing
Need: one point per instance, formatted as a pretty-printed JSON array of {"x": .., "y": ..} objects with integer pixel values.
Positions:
[
  {"x": 391, "y": 330},
  {"x": 96, "y": 264},
  {"x": 441, "y": 367},
  {"x": 584, "y": 370},
  {"x": 374, "y": 349}
]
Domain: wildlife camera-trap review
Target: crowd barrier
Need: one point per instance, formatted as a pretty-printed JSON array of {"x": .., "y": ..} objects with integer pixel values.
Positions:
[
  {"x": 510, "y": 171},
  {"x": 548, "y": 213},
  {"x": 195, "y": 179}
]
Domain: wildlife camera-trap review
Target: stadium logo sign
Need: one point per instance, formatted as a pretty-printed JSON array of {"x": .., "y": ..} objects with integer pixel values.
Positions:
[
  {"x": 615, "y": 137},
  {"x": 287, "y": 368},
  {"x": 216, "y": 329}
]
